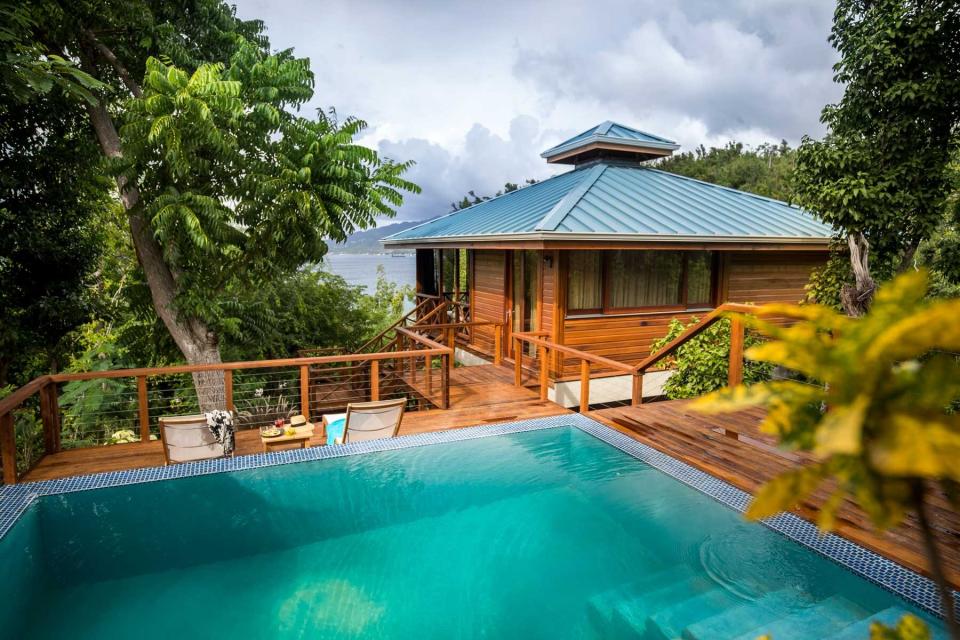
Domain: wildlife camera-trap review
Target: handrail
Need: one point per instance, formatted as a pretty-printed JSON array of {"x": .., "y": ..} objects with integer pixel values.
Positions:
[
  {"x": 399, "y": 323},
  {"x": 691, "y": 332},
  {"x": 17, "y": 398}
]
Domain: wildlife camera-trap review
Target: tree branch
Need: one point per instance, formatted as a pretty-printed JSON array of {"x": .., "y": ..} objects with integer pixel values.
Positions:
[{"x": 105, "y": 52}]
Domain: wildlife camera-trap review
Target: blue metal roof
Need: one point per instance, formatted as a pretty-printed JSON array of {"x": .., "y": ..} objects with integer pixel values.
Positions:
[
  {"x": 624, "y": 202},
  {"x": 614, "y": 133}
]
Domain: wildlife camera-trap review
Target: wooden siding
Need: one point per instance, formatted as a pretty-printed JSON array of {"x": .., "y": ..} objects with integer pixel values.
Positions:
[
  {"x": 548, "y": 285},
  {"x": 488, "y": 295},
  {"x": 769, "y": 277},
  {"x": 747, "y": 277}
]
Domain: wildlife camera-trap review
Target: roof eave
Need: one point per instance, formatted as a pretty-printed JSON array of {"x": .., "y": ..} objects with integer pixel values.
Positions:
[
  {"x": 608, "y": 237},
  {"x": 639, "y": 144}
]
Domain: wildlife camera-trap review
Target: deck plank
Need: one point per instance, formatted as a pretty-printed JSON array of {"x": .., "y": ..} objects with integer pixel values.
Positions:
[{"x": 673, "y": 428}]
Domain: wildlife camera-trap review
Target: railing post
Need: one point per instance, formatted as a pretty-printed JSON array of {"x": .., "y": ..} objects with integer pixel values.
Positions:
[
  {"x": 228, "y": 389},
  {"x": 636, "y": 398},
  {"x": 374, "y": 380},
  {"x": 497, "y": 343},
  {"x": 143, "y": 406},
  {"x": 305, "y": 391},
  {"x": 452, "y": 343},
  {"x": 517, "y": 363},
  {"x": 735, "y": 371},
  {"x": 8, "y": 449},
  {"x": 50, "y": 415},
  {"x": 429, "y": 374},
  {"x": 542, "y": 353},
  {"x": 445, "y": 383},
  {"x": 584, "y": 386}
]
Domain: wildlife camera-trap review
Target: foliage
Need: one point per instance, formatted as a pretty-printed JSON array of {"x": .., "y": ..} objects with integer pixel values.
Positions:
[
  {"x": 472, "y": 198},
  {"x": 765, "y": 170},
  {"x": 239, "y": 189},
  {"x": 880, "y": 424},
  {"x": 52, "y": 201},
  {"x": 881, "y": 174},
  {"x": 701, "y": 365},
  {"x": 909, "y": 627}
]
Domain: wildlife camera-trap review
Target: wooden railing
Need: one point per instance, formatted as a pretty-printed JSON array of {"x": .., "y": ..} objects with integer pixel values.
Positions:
[
  {"x": 544, "y": 347},
  {"x": 415, "y": 365}
]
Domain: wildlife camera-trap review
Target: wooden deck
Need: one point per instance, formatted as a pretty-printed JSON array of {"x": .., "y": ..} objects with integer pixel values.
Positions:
[
  {"x": 747, "y": 463},
  {"x": 478, "y": 395}
]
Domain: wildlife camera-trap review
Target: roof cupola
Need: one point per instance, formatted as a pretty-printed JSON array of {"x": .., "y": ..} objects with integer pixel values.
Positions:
[{"x": 610, "y": 141}]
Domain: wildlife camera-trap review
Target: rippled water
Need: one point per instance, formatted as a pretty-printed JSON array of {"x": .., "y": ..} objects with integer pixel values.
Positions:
[{"x": 546, "y": 534}]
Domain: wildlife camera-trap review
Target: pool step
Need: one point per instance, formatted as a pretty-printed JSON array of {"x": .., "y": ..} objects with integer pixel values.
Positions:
[
  {"x": 890, "y": 617},
  {"x": 630, "y": 618},
  {"x": 743, "y": 617},
  {"x": 600, "y": 608},
  {"x": 819, "y": 621},
  {"x": 669, "y": 622}
]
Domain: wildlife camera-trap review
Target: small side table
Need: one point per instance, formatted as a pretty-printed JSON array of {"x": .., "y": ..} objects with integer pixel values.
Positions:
[{"x": 301, "y": 437}]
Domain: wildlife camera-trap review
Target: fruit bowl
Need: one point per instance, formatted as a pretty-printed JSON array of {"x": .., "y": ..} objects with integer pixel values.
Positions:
[{"x": 271, "y": 432}]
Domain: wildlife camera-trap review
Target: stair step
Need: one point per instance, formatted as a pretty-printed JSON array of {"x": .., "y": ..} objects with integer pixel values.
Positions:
[
  {"x": 669, "y": 622},
  {"x": 826, "y": 617},
  {"x": 630, "y": 617},
  {"x": 744, "y": 617},
  {"x": 600, "y": 607},
  {"x": 890, "y": 616}
]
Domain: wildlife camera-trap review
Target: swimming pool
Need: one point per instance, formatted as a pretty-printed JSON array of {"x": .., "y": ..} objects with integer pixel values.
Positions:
[{"x": 542, "y": 531}]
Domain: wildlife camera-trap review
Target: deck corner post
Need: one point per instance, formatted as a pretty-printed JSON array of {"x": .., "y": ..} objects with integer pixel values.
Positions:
[
  {"x": 584, "y": 386},
  {"x": 374, "y": 380},
  {"x": 50, "y": 416},
  {"x": 637, "y": 396},
  {"x": 228, "y": 389},
  {"x": 304, "y": 392},
  {"x": 8, "y": 449},
  {"x": 143, "y": 406},
  {"x": 517, "y": 363},
  {"x": 735, "y": 370},
  {"x": 544, "y": 377}
]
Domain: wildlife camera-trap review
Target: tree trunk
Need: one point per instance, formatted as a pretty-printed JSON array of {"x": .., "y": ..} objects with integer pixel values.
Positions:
[
  {"x": 934, "y": 562},
  {"x": 198, "y": 343},
  {"x": 857, "y": 297}
]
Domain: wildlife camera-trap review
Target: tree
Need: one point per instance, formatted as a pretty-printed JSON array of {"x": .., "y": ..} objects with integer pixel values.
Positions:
[
  {"x": 472, "y": 198},
  {"x": 764, "y": 171},
  {"x": 880, "y": 421},
  {"x": 222, "y": 184},
  {"x": 880, "y": 176}
]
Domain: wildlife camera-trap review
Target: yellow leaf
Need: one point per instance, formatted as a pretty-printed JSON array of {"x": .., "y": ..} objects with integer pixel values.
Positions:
[
  {"x": 937, "y": 326},
  {"x": 827, "y": 516},
  {"x": 840, "y": 430},
  {"x": 919, "y": 444},
  {"x": 785, "y": 491}
]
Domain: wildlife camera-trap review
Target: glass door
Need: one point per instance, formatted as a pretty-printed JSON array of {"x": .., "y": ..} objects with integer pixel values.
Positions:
[{"x": 524, "y": 285}]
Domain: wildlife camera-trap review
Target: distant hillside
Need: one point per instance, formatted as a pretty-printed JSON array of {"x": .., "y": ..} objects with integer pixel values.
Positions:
[{"x": 369, "y": 241}]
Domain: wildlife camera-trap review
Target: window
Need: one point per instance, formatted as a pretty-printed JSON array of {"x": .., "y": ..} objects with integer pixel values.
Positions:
[
  {"x": 623, "y": 281},
  {"x": 585, "y": 278}
]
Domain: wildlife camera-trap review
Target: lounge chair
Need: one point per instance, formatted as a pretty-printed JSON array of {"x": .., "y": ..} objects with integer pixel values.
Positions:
[
  {"x": 188, "y": 438},
  {"x": 369, "y": 421}
]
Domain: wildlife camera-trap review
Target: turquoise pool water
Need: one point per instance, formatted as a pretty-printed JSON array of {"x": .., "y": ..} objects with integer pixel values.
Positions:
[{"x": 544, "y": 534}]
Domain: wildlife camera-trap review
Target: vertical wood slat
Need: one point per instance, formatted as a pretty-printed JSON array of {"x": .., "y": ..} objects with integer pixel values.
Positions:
[
  {"x": 374, "y": 380},
  {"x": 428, "y": 373},
  {"x": 228, "y": 388},
  {"x": 497, "y": 343},
  {"x": 8, "y": 449},
  {"x": 445, "y": 383},
  {"x": 50, "y": 416},
  {"x": 735, "y": 371},
  {"x": 305, "y": 391},
  {"x": 544, "y": 369},
  {"x": 143, "y": 407},
  {"x": 517, "y": 363},
  {"x": 452, "y": 343},
  {"x": 636, "y": 397},
  {"x": 584, "y": 386}
]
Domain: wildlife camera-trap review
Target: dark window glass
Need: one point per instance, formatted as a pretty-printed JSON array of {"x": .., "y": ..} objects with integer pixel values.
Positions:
[
  {"x": 699, "y": 278},
  {"x": 584, "y": 281},
  {"x": 637, "y": 279}
]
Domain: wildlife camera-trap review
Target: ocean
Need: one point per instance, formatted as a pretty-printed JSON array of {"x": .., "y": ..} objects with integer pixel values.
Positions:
[{"x": 360, "y": 269}]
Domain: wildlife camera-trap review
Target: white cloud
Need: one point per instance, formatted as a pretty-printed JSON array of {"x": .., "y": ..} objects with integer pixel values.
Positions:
[{"x": 475, "y": 91}]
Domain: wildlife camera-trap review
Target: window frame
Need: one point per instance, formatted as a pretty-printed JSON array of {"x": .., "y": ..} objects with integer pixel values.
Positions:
[{"x": 684, "y": 304}]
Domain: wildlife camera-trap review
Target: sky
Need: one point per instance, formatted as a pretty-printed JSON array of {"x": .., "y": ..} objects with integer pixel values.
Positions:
[{"x": 473, "y": 92}]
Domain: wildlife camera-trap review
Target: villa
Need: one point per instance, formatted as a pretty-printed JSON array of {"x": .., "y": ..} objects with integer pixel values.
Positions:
[
  {"x": 499, "y": 463},
  {"x": 603, "y": 257}
]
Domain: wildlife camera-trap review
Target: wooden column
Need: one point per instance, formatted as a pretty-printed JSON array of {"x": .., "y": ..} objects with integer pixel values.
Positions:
[
  {"x": 735, "y": 372},
  {"x": 584, "y": 386},
  {"x": 544, "y": 371},
  {"x": 8, "y": 449},
  {"x": 143, "y": 405},
  {"x": 228, "y": 388},
  {"x": 50, "y": 416},
  {"x": 374, "y": 380},
  {"x": 636, "y": 398},
  {"x": 497, "y": 343},
  {"x": 445, "y": 383},
  {"x": 305, "y": 391},
  {"x": 452, "y": 343}
]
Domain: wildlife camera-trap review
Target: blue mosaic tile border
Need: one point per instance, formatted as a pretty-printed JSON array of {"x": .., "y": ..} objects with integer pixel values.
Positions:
[{"x": 15, "y": 499}]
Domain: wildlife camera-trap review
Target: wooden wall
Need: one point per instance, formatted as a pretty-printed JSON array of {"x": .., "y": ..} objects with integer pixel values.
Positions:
[
  {"x": 488, "y": 294},
  {"x": 757, "y": 277}
]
